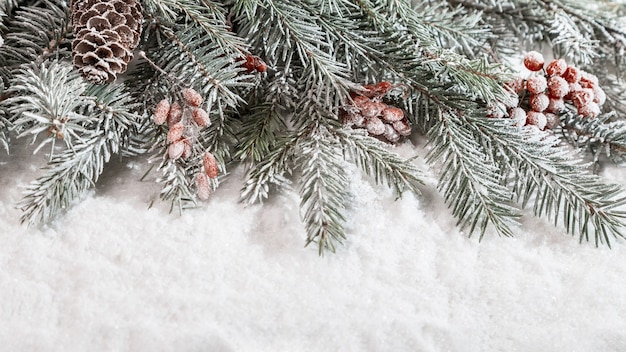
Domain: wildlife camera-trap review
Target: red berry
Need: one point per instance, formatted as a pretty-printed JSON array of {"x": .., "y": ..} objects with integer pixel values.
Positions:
[
  {"x": 175, "y": 114},
  {"x": 402, "y": 127},
  {"x": 557, "y": 87},
  {"x": 192, "y": 97},
  {"x": 556, "y": 67},
  {"x": 600, "y": 96},
  {"x": 210, "y": 165},
  {"x": 353, "y": 118},
  {"x": 161, "y": 111},
  {"x": 536, "y": 119},
  {"x": 391, "y": 134},
  {"x": 556, "y": 105},
  {"x": 249, "y": 64},
  {"x": 573, "y": 88},
  {"x": 383, "y": 87},
  {"x": 552, "y": 120},
  {"x": 201, "y": 117},
  {"x": 372, "y": 109},
  {"x": 516, "y": 85},
  {"x": 590, "y": 110},
  {"x": 534, "y": 61},
  {"x": 572, "y": 74},
  {"x": 392, "y": 114},
  {"x": 175, "y": 133},
  {"x": 539, "y": 102},
  {"x": 582, "y": 97},
  {"x": 587, "y": 80},
  {"x": 176, "y": 149},
  {"x": 519, "y": 116},
  {"x": 536, "y": 84},
  {"x": 375, "y": 126}
]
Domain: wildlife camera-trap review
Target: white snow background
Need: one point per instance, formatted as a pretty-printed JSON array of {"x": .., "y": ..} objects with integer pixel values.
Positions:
[{"x": 113, "y": 275}]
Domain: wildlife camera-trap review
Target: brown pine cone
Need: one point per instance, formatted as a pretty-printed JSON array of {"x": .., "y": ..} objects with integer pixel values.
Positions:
[{"x": 105, "y": 34}]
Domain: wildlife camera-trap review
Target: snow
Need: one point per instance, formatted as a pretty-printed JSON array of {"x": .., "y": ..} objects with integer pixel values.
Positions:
[{"x": 113, "y": 275}]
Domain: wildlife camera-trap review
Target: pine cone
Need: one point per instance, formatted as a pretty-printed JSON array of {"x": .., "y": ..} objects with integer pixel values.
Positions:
[{"x": 106, "y": 32}]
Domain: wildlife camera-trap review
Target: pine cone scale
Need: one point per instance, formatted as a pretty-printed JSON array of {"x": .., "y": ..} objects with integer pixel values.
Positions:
[{"x": 106, "y": 32}]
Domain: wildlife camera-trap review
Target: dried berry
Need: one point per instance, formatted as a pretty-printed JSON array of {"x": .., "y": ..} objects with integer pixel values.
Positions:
[
  {"x": 533, "y": 61},
  {"x": 203, "y": 186},
  {"x": 572, "y": 74},
  {"x": 392, "y": 114},
  {"x": 536, "y": 84},
  {"x": 402, "y": 127},
  {"x": 161, "y": 111},
  {"x": 536, "y": 119},
  {"x": 539, "y": 102},
  {"x": 201, "y": 117},
  {"x": 372, "y": 109},
  {"x": 176, "y": 149},
  {"x": 519, "y": 116},
  {"x": 375, "y": 126},
  {"x": 192, "y": 97},
  {"x": 552, "y": 120},
  {"x": 556, "y": 67},
  {"x": 175, "y": 114},
  {"x": 175, "y": 133},
  {"x": 557, "y": 87},
  {"x": 210, "y": 165}
]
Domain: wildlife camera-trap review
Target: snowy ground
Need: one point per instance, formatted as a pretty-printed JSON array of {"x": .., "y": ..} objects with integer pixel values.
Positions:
[{"x": 111, "y": 275}]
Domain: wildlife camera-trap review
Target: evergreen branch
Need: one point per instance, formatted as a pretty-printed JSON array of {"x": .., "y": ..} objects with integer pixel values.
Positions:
[
  {"x": 469, "y": 179},
  {"x": 46, "y": 98},
  {"x": 206, "y": 14},
  {"x": 271, "y": 170},
  {"x": 73, "y": 171},
  {"x": 560, "y": 187},
  {"x": 603, "y": 134},
  {"x": 259, "y": 131},
  {"x": 372, "y": 156},
  {"x": 177, "y": 187},
  {"x": 35, "y": 33},
  {"x": 323, "y": 190}
]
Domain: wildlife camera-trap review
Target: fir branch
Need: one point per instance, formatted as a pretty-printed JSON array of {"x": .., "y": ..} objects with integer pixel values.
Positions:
[
  {"x": 176, "y": 180},
  {"x": 603, "y": 134},
  {"x": 323, "y": 190},
  {"x": 208, "y": 15},
  {"x": 46, "y": 98},
  {"x": 470, "y": 180},
  {"x": 35, "y": 33},
  {"x": 73, "y": 171},
  {"x": 374, "y": 158},
  {"x": 260, "y": 129},
  {"x": 559, "y": 187}
]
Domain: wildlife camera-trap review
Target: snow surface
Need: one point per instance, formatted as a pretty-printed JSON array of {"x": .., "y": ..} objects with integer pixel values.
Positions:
[{"x": 112, "y": 275}]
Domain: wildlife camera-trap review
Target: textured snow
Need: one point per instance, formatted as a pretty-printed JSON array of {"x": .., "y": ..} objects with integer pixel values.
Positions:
[{"x": 113, "y": 275}]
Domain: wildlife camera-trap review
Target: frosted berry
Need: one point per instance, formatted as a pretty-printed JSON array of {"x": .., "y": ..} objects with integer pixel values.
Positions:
[
  {"x": 176, "y": 149},
  {"x": 590, "y": 110},
  {"x": 372, "y": 109},
  {"x": 391, "y": 134},
  {"x": 552, "y": 120},
  {"x": 175, "y": 133},
  {"x": 516, "y": 85},
  {"x": 210, "y": 165},
  {"x": 556, "y": 105},
  {"x": 192, "y": 97},
  {"x": 360, "y": 100},
  {"x": 354, "y": 119},
  {"x": 534, "y": 61},
  {"x": 557, "y": 87},
  {"x": 582, "y": 97},
  {"x": 495, "y": 111},
  {"x": 512, "y": 101},
  {"x": 402, "y": 127},
  {"x": 588, "y": 80},
  {"x": 556, "y": 67},
  {"x": 536, "y": 84},
  {"x": 161, "y": 111},
  {"x": 201, "y": 117},
  {"x": 203, "y": 186},
  {"x": 519, "y": 116},
  {"x": 539, "y": 102},
  {"x": 175, "y": 114},
  {"x": 572, "y": 74},
  {"x": 573, "y": 88},
  {"x": 261, "y": 66},
  {"x": 188, "y": 151},
  {"x": 392, "y": 114},
  {"x": 536, "y": 119},
  {"x": 375, "y": 126},
  {"x": 600, "y": 96}
]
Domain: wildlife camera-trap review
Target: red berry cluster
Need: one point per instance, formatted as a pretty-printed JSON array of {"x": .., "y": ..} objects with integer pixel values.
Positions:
[
  {"x": 367, "y": 110},
  {"x": 543, "y": 95},
  {"x": 254, "y": 63},
  {"x": 183, "y": 123}
]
